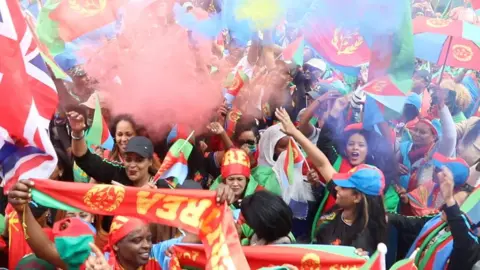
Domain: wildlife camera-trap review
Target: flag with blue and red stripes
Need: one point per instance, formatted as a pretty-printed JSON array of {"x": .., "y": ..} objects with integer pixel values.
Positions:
[{"x": 28, "y": 101}]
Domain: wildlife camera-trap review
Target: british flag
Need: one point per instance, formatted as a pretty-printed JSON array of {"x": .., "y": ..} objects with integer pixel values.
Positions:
[{"x": 28, "y": 99}]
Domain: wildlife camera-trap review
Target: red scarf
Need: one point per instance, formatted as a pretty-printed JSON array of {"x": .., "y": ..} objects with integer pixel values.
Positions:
[{"x": 418, "y": 152}]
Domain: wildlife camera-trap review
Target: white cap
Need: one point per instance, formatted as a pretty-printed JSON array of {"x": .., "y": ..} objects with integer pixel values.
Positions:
[
  {"x": 317, "y": 63},
  {"x": 187, "y": 5},
  {"x": 92, "y": 100}
]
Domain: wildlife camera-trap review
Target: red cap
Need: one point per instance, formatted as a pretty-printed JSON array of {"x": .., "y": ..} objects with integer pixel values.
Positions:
[{"x": 235, "y": 162}]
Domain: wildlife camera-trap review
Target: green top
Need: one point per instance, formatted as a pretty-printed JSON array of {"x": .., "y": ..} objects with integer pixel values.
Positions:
[
  {"x": 252, "y": 186},
  {"x": 459, "y": 117},
  {"x": 2, "y": 223},
  {"x": 266, "y": 177}
]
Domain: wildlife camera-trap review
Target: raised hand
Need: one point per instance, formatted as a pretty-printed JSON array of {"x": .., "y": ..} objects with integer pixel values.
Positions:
[
  {"x": 216, "y": 128},
  {"x": 313, "y": 178},
  {"x": 402, "y": 193},
  {"x": 76, "y": 120},
  {"x": 20, "y": 194},
  {"x": 287, "y": 126},
  {"x": 225, "y": 194},
  {"x": 445, "y": 178},
  {"x": 97, "y": 262},
  {"x": 339, "y": 106}
]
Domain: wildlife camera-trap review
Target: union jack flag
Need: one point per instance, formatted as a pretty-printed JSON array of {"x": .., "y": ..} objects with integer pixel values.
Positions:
[{"x": 28, "y": 99}]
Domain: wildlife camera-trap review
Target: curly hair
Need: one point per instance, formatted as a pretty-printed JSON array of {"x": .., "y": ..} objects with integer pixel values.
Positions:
[
  {"x": 114, "y": 155},
  {"x": 463, "y": 98}
]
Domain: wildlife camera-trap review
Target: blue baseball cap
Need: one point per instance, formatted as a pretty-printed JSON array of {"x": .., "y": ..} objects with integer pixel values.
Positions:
[
  {"x": 365, "y": 178},
  {"x": 414, "y": 99},
  {"x": 457, "y": 166}
]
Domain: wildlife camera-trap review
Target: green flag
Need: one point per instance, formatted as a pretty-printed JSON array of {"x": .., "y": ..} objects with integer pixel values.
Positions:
[{"x": 47, "y": 29}]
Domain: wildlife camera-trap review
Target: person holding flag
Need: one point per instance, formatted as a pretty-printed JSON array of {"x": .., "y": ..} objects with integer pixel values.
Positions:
[
  {"x": 71, "y": 241},
  {"x": 426, "y": 199},
  {"x": 434, "y": 236},
  {"x": 352, "y": 147},
  {"x": 359, "y": 219}
]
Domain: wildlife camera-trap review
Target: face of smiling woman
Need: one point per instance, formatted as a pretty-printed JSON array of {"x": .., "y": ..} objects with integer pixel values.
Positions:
[
  {"x": 134, "y": 249},
  {"x": 357, "y": 149}
]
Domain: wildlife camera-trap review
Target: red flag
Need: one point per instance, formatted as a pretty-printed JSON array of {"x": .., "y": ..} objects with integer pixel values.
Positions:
[
  {"x": 191, "y": 210},
  {"x": 76, "y": 18},
  {"x": 337, "y": 45},
  {"x": 301, "y": 256},
  {"x": 475, "y": 4}
]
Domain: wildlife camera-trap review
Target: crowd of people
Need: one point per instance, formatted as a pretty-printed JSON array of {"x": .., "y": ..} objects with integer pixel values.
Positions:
[{"x": 409, "y": 182}]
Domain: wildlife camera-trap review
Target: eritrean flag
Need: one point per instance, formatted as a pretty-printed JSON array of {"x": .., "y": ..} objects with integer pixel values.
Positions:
[
  {"x": 235, "y": 82},
  {"x": 451, "y": 43},
  {"x": 98, "y": 134},
  {"x": 405, "y": 264},
  {"x": 63, "y": 24},
  {"x": 175, "y": 163},
  {"x": 471, "y": 207},
  {"x": 294, "y": 51},
  {"x": 47, "y": 57},
  {"x": 293, "y": 160},
  {"x": 476, "y": 6},
  {"x": 212, "y": 222},
  {"x": 390, "y": 72},
  {"x": 178, "y": 132},
  {"x": 188, "y": 256},
  {"x": 75, "y": 18},
  {"x": 231, "y": 120},
  {"x": 377, "y": 261}
]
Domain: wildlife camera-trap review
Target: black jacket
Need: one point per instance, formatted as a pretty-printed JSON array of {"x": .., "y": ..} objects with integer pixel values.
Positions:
[
  {"x": 466, "y": 250},
  {"x": 104, "y": 171}
]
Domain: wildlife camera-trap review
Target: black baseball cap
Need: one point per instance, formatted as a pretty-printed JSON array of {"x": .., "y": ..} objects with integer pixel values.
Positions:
[{"x": 140, "y": 145}]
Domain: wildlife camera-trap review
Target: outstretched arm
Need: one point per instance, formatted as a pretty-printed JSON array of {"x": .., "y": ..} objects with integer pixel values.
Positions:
[{"x": 314, "y": 154}]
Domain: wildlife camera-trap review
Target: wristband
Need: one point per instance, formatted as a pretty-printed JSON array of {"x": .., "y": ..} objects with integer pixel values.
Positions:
[{"x": 78, "y": 138}]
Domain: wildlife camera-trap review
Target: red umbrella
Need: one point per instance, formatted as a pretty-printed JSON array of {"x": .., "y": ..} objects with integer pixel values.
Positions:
[{"x": 447, "y": 42}]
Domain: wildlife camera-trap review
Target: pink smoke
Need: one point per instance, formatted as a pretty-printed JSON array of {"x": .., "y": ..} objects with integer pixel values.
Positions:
[{"x": 151, "y": 72}]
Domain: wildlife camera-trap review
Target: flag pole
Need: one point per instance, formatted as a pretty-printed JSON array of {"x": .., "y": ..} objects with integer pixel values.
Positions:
[
  {"x": 414, "y": 254},
  {"x": 301, "y": 153},
  {"x": 186, "y": 140}
]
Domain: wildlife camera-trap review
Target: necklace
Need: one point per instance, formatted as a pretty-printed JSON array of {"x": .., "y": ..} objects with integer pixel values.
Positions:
[{"x": 348, "y": 222}]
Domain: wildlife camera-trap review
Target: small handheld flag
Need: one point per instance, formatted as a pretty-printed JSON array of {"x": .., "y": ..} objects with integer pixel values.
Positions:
[
  {"x": 377, "y": 261},
  {"x": 294, "y": 159},
  {"x": 294, "y": 51},
  {"x": 175, "y": 163},
  {"x": 98, "y": 134},
  {"x": 233, "y": 85}
]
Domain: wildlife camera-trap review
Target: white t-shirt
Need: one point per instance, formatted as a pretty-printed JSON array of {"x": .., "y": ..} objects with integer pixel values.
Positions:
[{"x": 244, "y": 66}]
